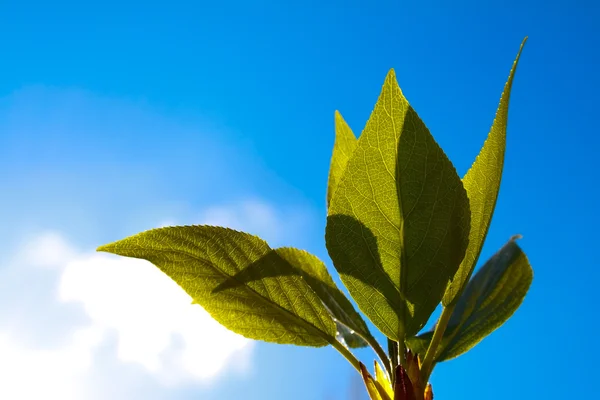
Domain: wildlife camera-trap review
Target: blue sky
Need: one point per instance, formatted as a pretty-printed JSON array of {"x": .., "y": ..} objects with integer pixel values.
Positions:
[{"x": 117, "y": 117}]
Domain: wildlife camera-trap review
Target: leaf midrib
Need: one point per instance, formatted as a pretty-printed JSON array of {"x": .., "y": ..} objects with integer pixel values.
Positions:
[{"x": 288, "y": 313}]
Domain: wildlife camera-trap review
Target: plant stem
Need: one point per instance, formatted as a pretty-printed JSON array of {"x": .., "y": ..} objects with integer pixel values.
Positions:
[
  {"x": 393, "y": 354},
  {"x": 371, "y": 341},
  {"x": 381, "y": 354},
  {"x": 346, "y": 353},
  {"x": 402, "y": 353},
  {"x": 438, "y": 334}
]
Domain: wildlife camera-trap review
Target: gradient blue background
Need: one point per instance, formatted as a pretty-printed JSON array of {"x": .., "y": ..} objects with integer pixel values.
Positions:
[{"x": 265, "y": 77}]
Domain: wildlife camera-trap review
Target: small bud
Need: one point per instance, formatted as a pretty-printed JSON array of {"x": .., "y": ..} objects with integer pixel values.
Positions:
[
  {"x": 428, "y": 392},
  {"x": 413, "y": 369},
  {"x": 403, "y": 388}
]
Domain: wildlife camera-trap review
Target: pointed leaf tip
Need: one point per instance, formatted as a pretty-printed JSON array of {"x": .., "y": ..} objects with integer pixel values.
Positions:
[
  {"x": 343, "y": 148},
  {"x": 482, "y": 183},
  {"x": 374, "y": 393},
  {"x": 382, "y": 382},
  {"x": 275, "y": 305},
  {"x": 524, "y": 41},
  {"x": 396, "y": 253},
  {"x": 106, "y": 248}
]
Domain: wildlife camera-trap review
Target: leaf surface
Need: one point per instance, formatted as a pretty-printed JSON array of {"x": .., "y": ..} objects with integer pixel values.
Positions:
[
  {"x": 311, "y": 270},
  {"x": 349, "y": 337},
  {"x": 490, "y": 299},
  {"x": 277, "y": 307},
  {"x": 315, "y": 273},
  {"x": 398, "y": 222},
  {"x": 482, "y": 183},
  {"x": 343, "y": 147}
]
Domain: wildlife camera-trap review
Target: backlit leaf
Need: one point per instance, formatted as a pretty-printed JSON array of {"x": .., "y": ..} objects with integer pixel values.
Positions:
[
  {"x": 349, "y": 337},
  {"x": 312, "y": 270},
  {"x": 318, "y": 278},
  {"x": 345, "y": 143},
  {"x": 489, "y": 300},
  {"x": 398, "y": 222},
  {"x": 278, "y": 307},
  {"x": 482, "y": 183}
]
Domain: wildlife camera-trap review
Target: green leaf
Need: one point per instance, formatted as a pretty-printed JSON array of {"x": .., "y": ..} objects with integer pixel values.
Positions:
[
  {"x": 398, "y": 222},
  {"x": 315, "y": 273},
  {"x": 277, "y": 307},
  {"x": 419, "y": 344},
  {"x": 375, "y": 392},
  {"x": 349, "y": 337},
  {"x": 482, "y": 183},
  {"x": 312, "y": 270},
  {"x": 489, "y": 300},
  {"x": 345, "y": 143}
]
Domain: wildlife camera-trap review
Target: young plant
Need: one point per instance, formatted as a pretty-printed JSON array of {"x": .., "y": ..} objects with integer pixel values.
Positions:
[{"x": 403, "y": 231}]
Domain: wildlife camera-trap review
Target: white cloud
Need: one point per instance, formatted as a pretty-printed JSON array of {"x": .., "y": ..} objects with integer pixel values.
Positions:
[
  {"x": 131, "y": 297},
  {"x": 147, "y": 310},
  {"x": 155, "y": 325},
  {"x": 49, "y": 250}
]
